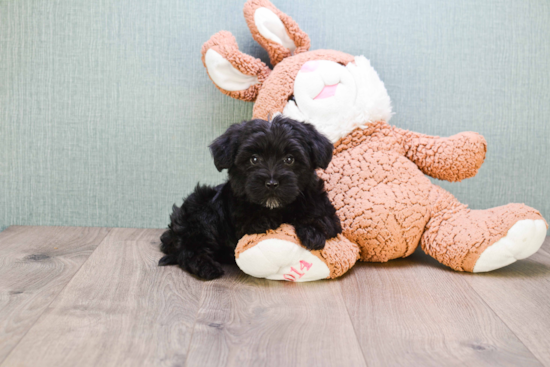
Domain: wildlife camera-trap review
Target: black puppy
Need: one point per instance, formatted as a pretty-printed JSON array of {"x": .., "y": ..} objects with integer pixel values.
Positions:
[{"x": 272, "y": 181}]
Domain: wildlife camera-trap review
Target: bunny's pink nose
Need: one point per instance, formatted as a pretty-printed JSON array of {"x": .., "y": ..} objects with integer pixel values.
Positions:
[{"x": 309, "y": 66}]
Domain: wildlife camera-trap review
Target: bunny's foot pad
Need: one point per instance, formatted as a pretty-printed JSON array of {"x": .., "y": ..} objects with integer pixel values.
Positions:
[
  {"x": 278, "y": 255},
  {"x": 522, "y": 240}
]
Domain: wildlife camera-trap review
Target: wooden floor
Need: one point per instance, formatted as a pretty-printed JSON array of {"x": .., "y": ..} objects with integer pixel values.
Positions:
[{"x": 95, "y": 297}]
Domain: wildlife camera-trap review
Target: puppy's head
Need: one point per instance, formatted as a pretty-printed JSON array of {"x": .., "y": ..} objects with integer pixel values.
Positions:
[{"x": 270, "y": 163}]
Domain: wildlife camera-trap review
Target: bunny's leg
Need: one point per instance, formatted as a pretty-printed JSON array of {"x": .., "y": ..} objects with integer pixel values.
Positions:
[
  {"x": 480, "y": 240},
  {"x": 278, "y": 255}
]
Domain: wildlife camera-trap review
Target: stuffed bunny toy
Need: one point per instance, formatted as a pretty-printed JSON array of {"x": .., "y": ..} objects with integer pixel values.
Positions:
[{"x": 376, "y": 179}]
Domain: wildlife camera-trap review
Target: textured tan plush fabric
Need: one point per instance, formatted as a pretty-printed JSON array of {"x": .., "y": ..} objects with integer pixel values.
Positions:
[
  {"x": 380, "y": 196},
  {"x": 340, "y": 254},
  {"x": 451, "y": 159},
  {"x": 387, "y": 205}
]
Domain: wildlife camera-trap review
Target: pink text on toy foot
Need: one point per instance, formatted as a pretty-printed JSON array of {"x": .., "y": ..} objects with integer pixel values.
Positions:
[{"x": 292, "y": 277}]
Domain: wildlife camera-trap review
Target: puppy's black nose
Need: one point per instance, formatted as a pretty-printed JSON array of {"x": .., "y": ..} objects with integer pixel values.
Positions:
[{"x": 271, "y": 184}]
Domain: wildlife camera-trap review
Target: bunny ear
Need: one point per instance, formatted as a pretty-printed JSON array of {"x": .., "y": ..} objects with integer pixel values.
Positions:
[
  {"x": 275, "y": 31},
  {"x": 234, "y": 73}
]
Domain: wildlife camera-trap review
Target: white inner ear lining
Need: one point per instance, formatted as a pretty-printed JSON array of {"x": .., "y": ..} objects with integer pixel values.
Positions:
[
  {"x": 271, "y": 27},
  {"x": 225, "y": 75}
]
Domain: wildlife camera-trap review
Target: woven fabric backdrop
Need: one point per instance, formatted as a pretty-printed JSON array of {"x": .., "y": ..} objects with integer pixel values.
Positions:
[{"x": 106, "y": 111}]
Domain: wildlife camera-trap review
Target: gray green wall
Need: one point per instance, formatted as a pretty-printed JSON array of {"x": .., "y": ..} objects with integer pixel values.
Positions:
[{"x": 106, "y": 111}]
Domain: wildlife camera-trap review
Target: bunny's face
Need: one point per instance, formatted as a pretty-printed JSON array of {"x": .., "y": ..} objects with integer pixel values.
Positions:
[
  {"x": 322, "y": 89},
  {"x": 338, "y": 99},
  {"x": 332, "y": 90}
]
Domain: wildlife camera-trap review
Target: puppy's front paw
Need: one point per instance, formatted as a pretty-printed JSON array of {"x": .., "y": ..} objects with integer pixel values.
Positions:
[
  {"x": 168, "y": 260},
  {"x": 204, "y": 267},
  {"x": 332, "y": 226},
  {"x": 210, "y": 271},
  {"x": 311, "y": 237}
]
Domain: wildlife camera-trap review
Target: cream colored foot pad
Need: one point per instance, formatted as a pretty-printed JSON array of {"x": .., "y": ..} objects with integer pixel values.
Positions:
[
  {"x": 521, "y": 241},
  {"x": 282, "y": 260}
]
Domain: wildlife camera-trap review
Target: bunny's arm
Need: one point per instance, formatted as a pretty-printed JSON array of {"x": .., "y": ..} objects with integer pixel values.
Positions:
[{"x": 451, "y": 159}]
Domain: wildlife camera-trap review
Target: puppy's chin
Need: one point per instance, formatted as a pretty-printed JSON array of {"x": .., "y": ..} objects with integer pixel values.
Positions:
[
  {"x": 257, "y": 193},
  {"x": 272, "y": 203}
]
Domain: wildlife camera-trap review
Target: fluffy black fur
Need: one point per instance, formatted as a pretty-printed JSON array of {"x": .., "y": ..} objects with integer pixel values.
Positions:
[{"x": 272, "y": 180}]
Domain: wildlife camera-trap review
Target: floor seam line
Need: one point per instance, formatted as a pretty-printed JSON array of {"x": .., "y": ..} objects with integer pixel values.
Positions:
[
  {"x": 504, "y": 322},
  {"x": 351, "y": 322},
  {"x": 194, "y": 325}
]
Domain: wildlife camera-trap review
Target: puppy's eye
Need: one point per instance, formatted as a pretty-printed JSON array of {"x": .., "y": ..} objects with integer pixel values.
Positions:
[
  {"x": 289, "y": 161},
  {"x": 254, "y": 159}
]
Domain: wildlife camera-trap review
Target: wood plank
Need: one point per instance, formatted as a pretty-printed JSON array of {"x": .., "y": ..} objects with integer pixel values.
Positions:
[
  {"x": 35, "y": 264},
  {"x": 245, "y": 321},
  {"x": 120, "y": 309},
  {"x": 520, "y": 295},
  {"x": 416, "y": 312}
]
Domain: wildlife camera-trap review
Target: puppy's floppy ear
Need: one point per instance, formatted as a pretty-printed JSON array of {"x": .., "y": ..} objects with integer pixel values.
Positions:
[
  {"x": 225, "y": 147},
  {"x": 320, "y": 147}
]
